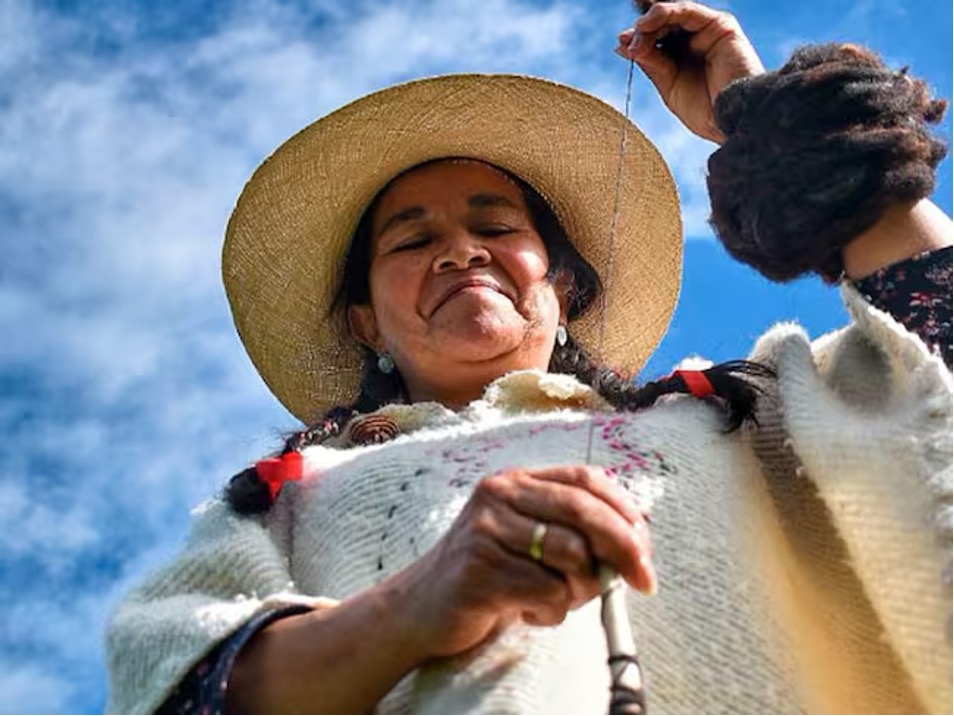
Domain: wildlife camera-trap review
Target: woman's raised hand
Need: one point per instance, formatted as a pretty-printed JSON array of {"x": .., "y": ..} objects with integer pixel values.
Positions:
[
  {"x": 482, "y": 576},
  {"x": 721, "y": 53}
]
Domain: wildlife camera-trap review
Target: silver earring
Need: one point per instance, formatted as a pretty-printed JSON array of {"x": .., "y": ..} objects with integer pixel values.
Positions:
[
  {"x": 561, "y": 335},
  {"x": 385, "y": 363}
]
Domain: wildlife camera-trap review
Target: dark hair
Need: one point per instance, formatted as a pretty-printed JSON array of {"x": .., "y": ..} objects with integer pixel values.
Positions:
[
  {"x": 815, "y": 153},
  {"x": 733, "y": 391}
]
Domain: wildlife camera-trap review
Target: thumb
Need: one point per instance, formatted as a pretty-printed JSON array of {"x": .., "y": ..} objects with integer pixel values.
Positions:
[{"x": 655, "y": 64}]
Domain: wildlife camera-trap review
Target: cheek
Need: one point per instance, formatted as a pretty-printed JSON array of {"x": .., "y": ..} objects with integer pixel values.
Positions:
[
  {"x": 547, "y": 305},
  {"x": 528, "y": 268},
  {"x": 528, "y": 262},
  {"x": 395, "y": 289}
]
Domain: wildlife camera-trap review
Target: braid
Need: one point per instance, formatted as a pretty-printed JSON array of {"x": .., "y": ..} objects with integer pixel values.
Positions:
[
  {"x": 734, "y": 383},
  {"x": 248, "y": 494},
  {"x": 815, "y": 153}
]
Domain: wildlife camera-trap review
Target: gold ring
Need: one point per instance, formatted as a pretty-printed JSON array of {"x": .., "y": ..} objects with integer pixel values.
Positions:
[{"x": 536, "y": 541}]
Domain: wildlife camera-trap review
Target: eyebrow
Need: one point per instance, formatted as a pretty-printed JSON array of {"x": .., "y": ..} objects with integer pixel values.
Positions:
[
  {"x": 476, "y": 201},
  {"x": 481, "y": 201},
  {"x": 409, "y": 214}
]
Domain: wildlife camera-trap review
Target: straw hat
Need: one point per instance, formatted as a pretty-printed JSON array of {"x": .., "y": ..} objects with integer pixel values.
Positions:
[{"x": 286, "y": 240}]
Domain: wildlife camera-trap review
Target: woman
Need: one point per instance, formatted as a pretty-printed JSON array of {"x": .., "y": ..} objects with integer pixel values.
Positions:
[{"x": 433, "y": 549}]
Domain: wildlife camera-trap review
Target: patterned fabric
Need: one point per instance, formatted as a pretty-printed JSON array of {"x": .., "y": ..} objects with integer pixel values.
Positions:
[
  {"x": 917, "y": 292},
  {"x": 203, "y": 689}
]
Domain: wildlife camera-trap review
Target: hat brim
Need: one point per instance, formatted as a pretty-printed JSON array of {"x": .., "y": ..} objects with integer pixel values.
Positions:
[{"x": 288, "y": 235}]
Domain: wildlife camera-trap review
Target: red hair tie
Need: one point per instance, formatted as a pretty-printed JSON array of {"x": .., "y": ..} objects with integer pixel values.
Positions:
[
  {"x": 697, "y": 382},
  {"x": 276, "y": 471}
]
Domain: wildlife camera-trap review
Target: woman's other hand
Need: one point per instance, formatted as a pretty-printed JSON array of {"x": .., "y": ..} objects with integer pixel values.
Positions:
[
  {"x": 720, "y": 51},
  {"x": 481, "y": 576}
]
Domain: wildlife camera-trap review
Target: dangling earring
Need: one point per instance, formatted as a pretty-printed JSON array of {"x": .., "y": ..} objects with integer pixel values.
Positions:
[
  {"x": 385, "y": 363},
  {"x": 561, "y": 335}
]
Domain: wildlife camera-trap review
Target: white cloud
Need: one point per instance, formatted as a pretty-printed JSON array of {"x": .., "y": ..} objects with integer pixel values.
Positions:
[
  {"x": 129, "y": 398},
  {"x": 31, "y": 686},
  {"x": 38, "y": 528},
  {"x": 125, "y": 397}
]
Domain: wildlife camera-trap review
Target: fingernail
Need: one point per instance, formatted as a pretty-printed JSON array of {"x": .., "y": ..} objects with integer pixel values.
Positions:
[{"x": 649, "y": 573}]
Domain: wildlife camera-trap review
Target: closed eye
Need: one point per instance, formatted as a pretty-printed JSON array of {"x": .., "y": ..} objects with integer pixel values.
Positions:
[
  {"x": 492, "y": 231},
  {"x": 415, "y": 242}
]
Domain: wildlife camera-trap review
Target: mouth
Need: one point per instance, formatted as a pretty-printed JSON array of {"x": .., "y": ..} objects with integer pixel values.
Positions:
[{"x": 468, "y": 284}]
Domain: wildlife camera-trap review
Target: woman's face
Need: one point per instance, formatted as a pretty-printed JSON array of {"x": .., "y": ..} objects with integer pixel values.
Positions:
[{"x": 458, "y": 280}]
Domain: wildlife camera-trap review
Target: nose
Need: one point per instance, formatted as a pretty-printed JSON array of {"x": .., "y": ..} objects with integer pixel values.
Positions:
[{"x": 460, "y": 252}]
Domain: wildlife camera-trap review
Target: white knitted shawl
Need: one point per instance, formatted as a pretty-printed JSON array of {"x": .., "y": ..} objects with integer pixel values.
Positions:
[{"x": 803, "y": 566}]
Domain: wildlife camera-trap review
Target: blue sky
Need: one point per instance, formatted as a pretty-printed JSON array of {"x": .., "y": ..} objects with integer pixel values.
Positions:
[{"x": 127, "y": 132}]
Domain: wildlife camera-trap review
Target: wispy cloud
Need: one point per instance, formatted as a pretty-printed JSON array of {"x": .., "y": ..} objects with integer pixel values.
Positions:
[
  {"x": 128, "y": 132},
  {"x": 126, "y": 396}
]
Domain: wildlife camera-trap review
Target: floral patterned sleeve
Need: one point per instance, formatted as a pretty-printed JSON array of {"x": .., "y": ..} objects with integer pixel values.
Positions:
[
  {"x": 203, "y": 689},
  {"x": 917, "y": 292}
]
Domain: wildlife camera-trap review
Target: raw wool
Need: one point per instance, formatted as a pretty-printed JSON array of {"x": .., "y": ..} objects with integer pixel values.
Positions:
[
  {"x": 765, "y": 602},
  {"x": 529, "y": 391}
]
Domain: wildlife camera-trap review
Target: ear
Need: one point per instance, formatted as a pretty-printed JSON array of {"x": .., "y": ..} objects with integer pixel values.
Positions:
[{"x": 363, "y": 326}]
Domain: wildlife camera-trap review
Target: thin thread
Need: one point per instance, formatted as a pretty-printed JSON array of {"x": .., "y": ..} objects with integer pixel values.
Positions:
[
  {"x": 623, "y": 698},
  {"x": 601, "y": 334}
]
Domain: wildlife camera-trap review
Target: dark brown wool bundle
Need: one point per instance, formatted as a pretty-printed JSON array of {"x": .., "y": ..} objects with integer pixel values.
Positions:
[{"x": 815, "y": 153}]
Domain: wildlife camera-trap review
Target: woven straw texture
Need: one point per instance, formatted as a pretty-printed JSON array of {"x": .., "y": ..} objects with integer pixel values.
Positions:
[
  {"x": 809, "y": 574},
  {"x": 287, "y": 237}
]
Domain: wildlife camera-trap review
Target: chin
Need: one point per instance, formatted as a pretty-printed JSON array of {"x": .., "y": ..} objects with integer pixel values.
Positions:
[
  {"x": 483, "y": 335},
  {"x": 477, "y": 347},
  {"x": 511, "y": 349}
]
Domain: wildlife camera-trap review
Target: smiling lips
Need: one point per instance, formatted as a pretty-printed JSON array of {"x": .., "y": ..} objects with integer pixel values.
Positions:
[{"x": 469, "y": 283}]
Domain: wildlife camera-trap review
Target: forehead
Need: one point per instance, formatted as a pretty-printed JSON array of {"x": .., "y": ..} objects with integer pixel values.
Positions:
[{"x": 446, "y": 181}]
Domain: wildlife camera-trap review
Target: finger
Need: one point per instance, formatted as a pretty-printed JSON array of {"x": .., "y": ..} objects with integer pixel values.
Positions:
[
  {"x": 611, "y": 537},
  {"x": 559, "y": 549},
  {"x": 594, "y": 480},
  {"x": 634, "y": 44},
  {"x": 512, "y": 581},
  {"x": 649, "y": 582},
  {"x": 659, "y": 67},
  {"x": 690, "y": 16},
  {"x": 629, "y": 549},
  {"x": 708, "y": 27},
  {"x": 567, "y": 553}
]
